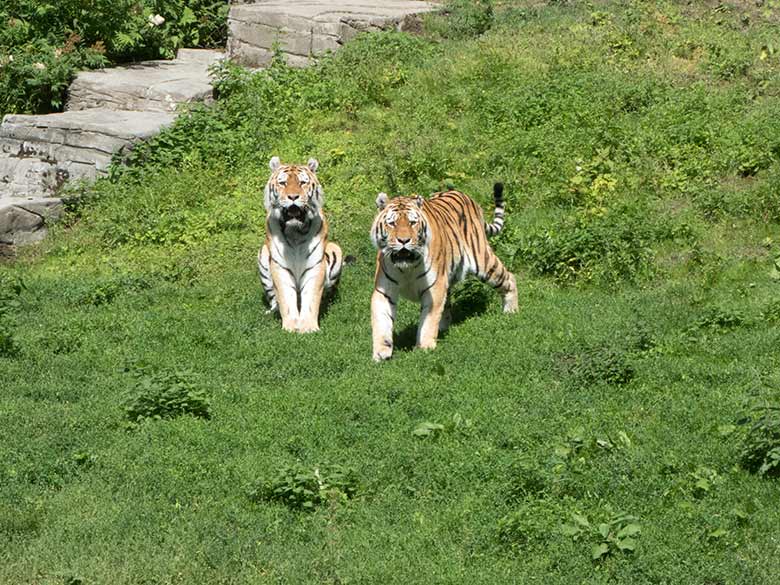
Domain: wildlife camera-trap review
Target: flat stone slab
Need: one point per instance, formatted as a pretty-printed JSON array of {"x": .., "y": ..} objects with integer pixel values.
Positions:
[
  {"x": 307, "y": 29},
  {"x": 24, "y": 220},
  {"x": 159, "y": 86},
  {"x": 40, "y": 152}
]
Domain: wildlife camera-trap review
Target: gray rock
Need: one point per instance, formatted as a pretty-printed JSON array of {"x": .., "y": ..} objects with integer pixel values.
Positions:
[
  {"x": 310, "y": 28},
  {"x": 38, "y": 153},
  {"x": 159, "y": 86},
  {"x": 24, "y": 220}
]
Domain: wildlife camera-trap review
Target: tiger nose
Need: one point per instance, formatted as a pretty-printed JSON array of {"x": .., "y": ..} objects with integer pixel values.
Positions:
[
  {"x": 403, "y": 241},
  {"x": 293, "y": 197}
]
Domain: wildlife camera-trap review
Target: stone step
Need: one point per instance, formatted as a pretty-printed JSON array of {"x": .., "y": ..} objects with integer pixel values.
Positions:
[
  {"x": 24, "y": 220},
  {"x": 38, "y": 153},
  {"x": 159, "y": 86},
  {"x": 307, "y": 29}
]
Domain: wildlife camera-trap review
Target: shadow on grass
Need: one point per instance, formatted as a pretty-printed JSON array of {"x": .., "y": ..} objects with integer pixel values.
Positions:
[{"x": 468, "y": 300}]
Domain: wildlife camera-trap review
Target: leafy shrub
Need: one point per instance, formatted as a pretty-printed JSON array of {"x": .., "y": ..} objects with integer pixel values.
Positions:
[
  {"x": 34, "y": 77},
  {"x": 302, "y": 488},
  {"x": 721, "y": 318},
  {"x": 605, "y": 247},
  {"x": 462, "y": 19},
  {"x": 599, "y": 365},
  {"x": 43, "y": 44},
  {"x": 105, "y": 291},
  {"x": 256, "y": 108},
  {"x": 761, "y": 448},
  {"x": 532, "y": 522},
  {"x": 163, "y": 395},
  {"x": 617, "y": 535},
  {"x": 10, "y": 290},
  {"x": 771, "y": 312}
]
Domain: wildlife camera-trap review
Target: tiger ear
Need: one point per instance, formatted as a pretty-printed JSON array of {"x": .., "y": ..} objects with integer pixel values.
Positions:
[
  {"x": 313, "y": 164},
  {"x": 418, "y": 200},
  {"x": 381, "y": 201},
  {"x": 274, "y": 163}
]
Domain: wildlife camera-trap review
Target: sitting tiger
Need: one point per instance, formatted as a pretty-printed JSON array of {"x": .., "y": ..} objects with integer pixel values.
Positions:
[
  {"x": 426, "y": 246},
  {"x": 297, "y": 263}
]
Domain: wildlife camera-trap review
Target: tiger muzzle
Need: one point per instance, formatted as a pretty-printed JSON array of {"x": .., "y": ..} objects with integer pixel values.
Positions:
[
  {"x": 404, "y": 256},
  {"x": 294, "y": 213}
]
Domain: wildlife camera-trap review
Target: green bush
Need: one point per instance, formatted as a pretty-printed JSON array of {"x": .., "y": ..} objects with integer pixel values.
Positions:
[
  {"x": 10, "y": 290},
  {"x": 462, "y": 19},
  {"x": 534, "y": 521},
  {"x": 617, "y": 534},
  {"x": 761, "y": 448},
  {"x": 600, "y": 365},
  {"x": 606, "y": 247},
  {"x": 302, "y": 488},
  {"x": 44, "y": 44},
  {"x": 721, "y": 318},
  {"x": 165, "y": 394}
]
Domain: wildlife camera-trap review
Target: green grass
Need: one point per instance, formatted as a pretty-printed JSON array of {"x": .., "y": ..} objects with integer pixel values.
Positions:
[{"x": 639, "y": 147}]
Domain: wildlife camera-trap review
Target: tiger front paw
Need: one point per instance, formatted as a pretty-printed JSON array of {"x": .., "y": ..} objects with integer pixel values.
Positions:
[
  {"x": 383, "y": 351},
  {"x": 383, "y": 355},
  {"x": 308, "y": 328}
]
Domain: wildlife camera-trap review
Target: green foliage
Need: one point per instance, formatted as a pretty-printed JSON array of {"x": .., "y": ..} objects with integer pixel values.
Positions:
[
  {"x": 462, "y": 19},
  {"x": 771, "y": 312},
  {"x": 163, "y": 395},
  {"x": 605, "y": 248},
  {"x": 618, "y": 534},
  {"x": 11, "y": 289},
  {"x": 44, "y": 44},
  {"x": 34, "y": 77},
  {"x": 761, "y": 448},
  {"x": 303, "y": 488},
  {"x": 533, "y": 522},
  {"x": 721, "y": 318},
  {"x": 599, "y": 365},
  {"x": 430, "y": 429}
]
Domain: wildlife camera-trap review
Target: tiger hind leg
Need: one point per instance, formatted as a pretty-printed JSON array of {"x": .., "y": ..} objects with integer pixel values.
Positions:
[
  {"x": 264, "y": 268},
  {"x": 333, "y": 263},
  {"x": 503, "y": 281}
]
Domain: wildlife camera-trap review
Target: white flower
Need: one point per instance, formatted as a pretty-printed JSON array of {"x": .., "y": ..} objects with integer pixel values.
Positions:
[
  {"x": 40, "y": 66},
  {"x": 156, "y": 20}
]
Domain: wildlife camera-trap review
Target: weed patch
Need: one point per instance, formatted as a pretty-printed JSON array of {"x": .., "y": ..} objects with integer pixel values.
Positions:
[
  {"x": 164, "y": 395},
  {"x": 761, "y": 447},
  {"x": 721, "y": 319},
  {"x": 598, "y": 365},
  {"x": 304, "y": 488},
  {"x": 462, "y": 19},
  {"x": 532, "y": 522},
  {"x": 603, "y": 248},
  {"x": 617, "y": 534},
  {"x": 10, "y": 291}
]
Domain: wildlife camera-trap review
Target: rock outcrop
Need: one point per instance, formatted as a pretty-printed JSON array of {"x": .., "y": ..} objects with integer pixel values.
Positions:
[
  {"x": 108, "y": 112},
  {"x": 310, "y": 28}
]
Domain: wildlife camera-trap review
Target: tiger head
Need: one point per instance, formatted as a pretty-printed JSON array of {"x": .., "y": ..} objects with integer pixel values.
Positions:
[
  {"x": 293, "y": 195},
  {"x": 400, "y": 231}
]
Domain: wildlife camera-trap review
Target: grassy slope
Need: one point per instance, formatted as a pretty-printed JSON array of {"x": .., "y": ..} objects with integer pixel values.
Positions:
[{"x": 160, "y": 270}]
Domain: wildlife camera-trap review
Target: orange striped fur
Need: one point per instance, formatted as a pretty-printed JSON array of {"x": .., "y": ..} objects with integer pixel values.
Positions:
[
  {"x": 424, "y": 247},
  {"x": 297, "y": 263}
]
